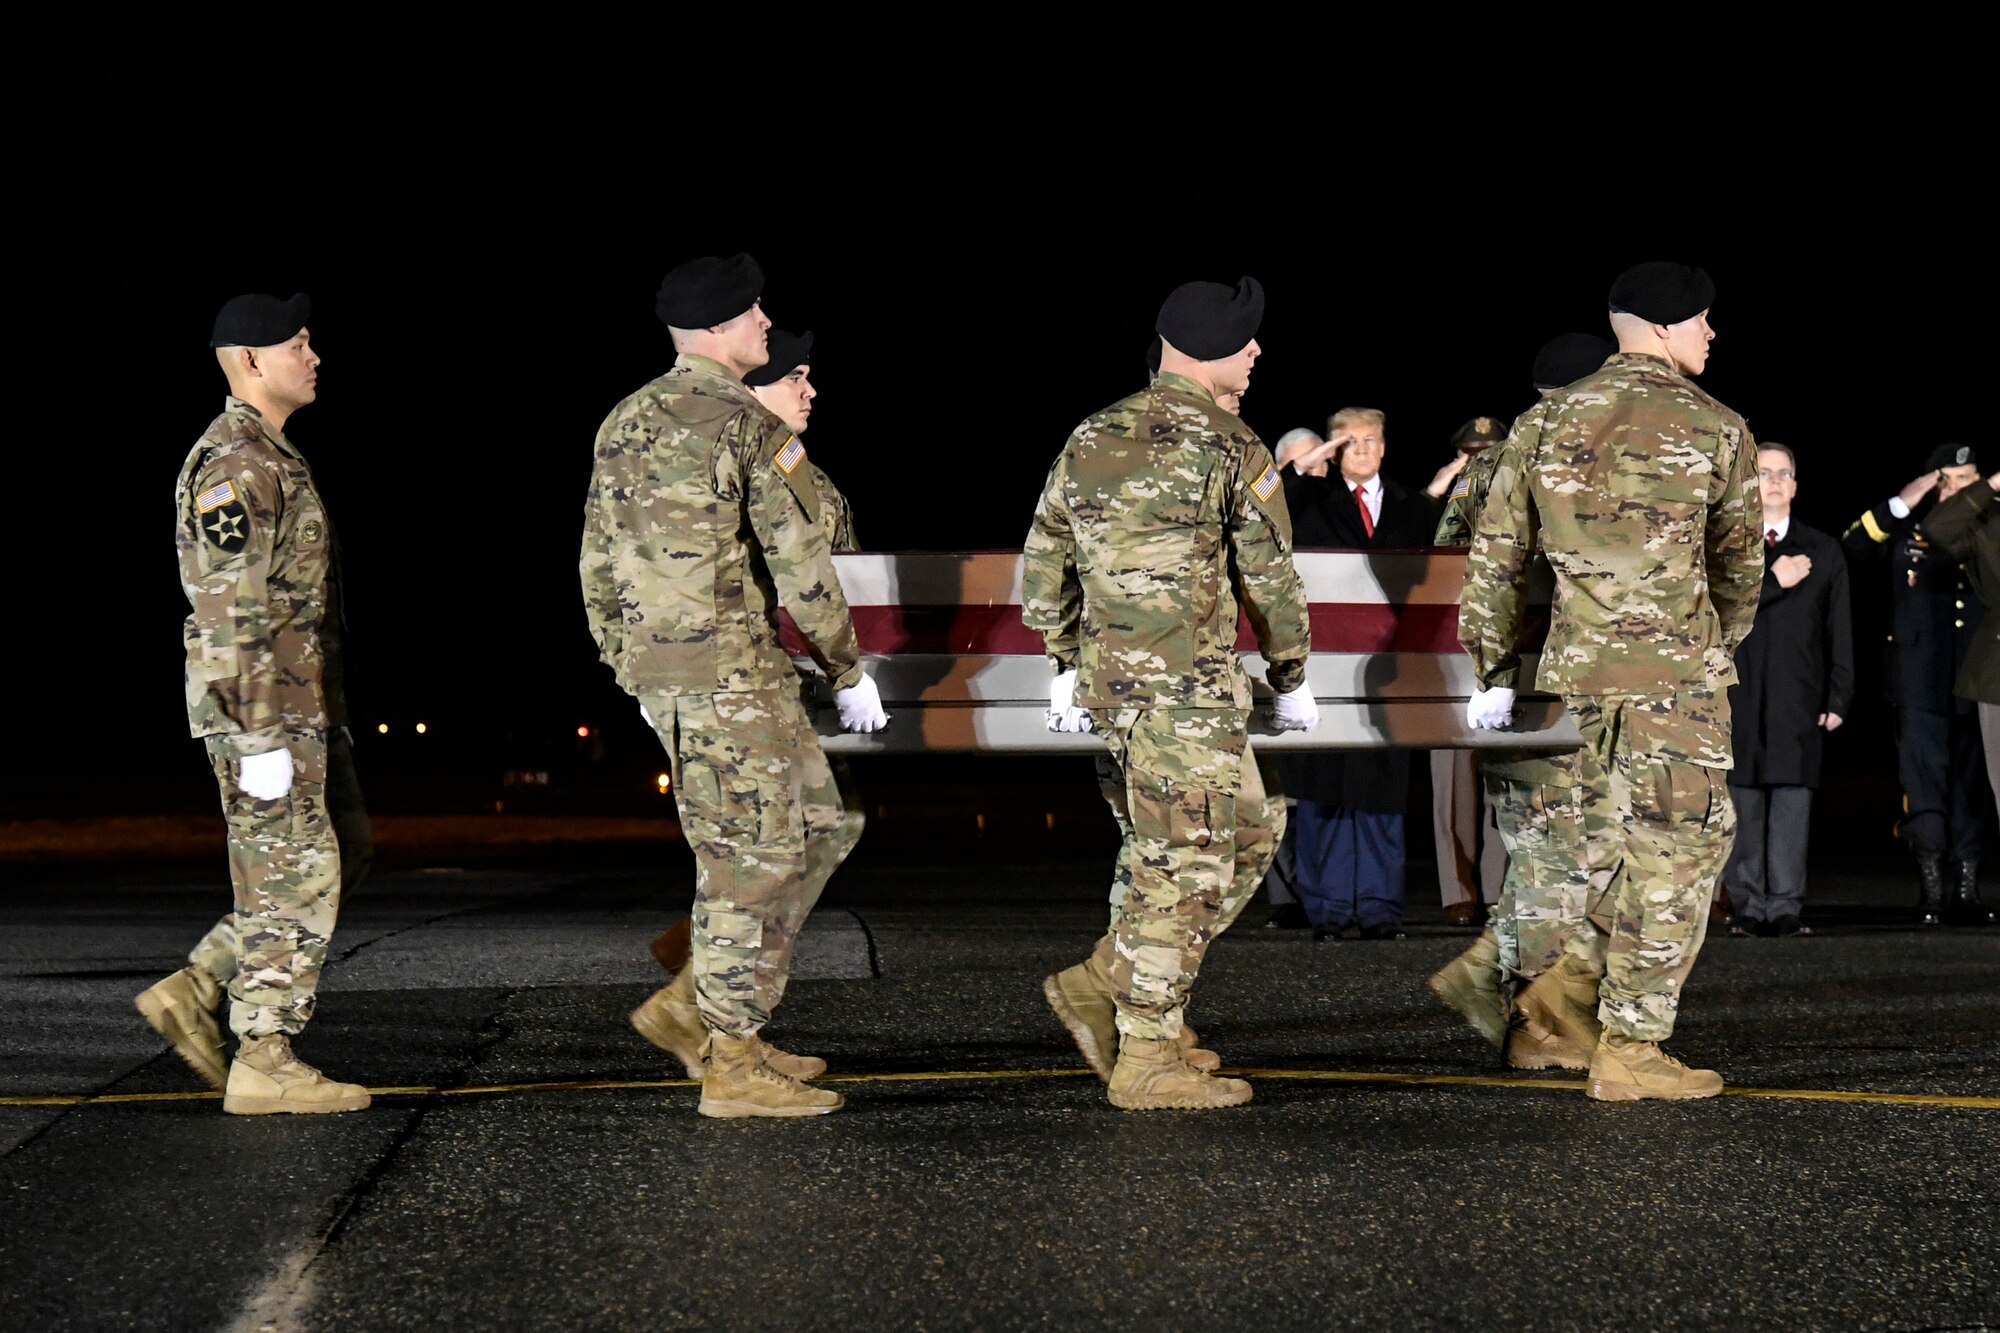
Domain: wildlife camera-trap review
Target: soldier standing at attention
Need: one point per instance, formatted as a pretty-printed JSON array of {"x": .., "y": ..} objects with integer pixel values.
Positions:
[
  {"x": 701, "y": 518},
  {"x": 256, "y": 554},
  {"x": 1162, "y": 511},
  {"x": 1642, "y": 492},
  {"x": 1535, "y": 809}
]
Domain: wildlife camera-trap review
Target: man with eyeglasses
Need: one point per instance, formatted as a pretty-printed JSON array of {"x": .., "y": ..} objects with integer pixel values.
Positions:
[{"x": 1795, "y": 682}]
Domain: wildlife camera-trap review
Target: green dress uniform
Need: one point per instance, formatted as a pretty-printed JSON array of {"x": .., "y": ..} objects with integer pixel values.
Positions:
[
  {"x": 1641, "y": 490},
  {"x": 1162, "y": 513},
  {"x": 701, "y": 518},
  {"x": 256, "y": 553}
]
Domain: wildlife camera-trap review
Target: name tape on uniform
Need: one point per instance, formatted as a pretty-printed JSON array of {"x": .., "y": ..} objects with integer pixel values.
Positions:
[
  {"x": 790, "y": 456},
  {"x": 1266, "y": 484},
  {"x": 215, "y": 497}
]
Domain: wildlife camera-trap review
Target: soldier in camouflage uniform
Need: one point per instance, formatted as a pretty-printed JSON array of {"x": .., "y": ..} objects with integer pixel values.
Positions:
[
  {"x": 1163, "y": 511},
  {"x": 1537, "y": 808},
  {"x": 255, "y": 552},
  {"x": 701, "y": 518},
  {"x": 784, "y": 386},
  {"x": 1642, "y": 492}
]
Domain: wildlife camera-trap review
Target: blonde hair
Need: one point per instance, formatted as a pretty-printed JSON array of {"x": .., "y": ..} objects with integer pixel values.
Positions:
[{"x": 1356, "y": 416}]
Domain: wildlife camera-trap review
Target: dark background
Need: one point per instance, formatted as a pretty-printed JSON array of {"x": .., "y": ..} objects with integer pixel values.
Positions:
[{"x": 978, "y": 279}]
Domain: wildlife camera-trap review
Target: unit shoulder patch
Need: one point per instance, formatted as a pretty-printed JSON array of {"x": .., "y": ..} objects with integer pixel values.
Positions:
[{"x": 226, "y": 525}]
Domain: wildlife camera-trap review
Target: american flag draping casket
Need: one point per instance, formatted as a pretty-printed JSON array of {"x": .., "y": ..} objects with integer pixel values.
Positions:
[{"x": 941, "y": 633}]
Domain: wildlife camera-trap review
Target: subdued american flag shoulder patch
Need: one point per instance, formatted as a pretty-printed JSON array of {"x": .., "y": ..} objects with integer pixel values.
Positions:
[
  {"x": 1463, "y": 489},
  {"x": 790, "y": 456},
  {"x": 215, "y": 497},
  {"x": 1266, "y": 484}
]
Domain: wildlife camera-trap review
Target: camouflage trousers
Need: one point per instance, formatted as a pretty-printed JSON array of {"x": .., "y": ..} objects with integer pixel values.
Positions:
[
  {"x": 761, "y": 810},
  {"x": 1198, "y": 834},
  {"x": 1539, "y": 809},
  {"x": 1653, "y": 770},
  {"x": 284, "y": 865}
]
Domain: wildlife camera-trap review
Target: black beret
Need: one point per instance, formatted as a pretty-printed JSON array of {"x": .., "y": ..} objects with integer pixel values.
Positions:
[
  {"x": 1153, "y": 356},
  {"x": 1662, "y": 292},
  {"x": 789, "y": 351},
  {"x": 1211, "y": 320},
  {"x": 259, "y": 321},
  {"x": 1480, "y": 430},
  {"x": 1568, "y": 357},
  {"x": 709, "y": 291},
  {"x": 1952, "y": 455}
]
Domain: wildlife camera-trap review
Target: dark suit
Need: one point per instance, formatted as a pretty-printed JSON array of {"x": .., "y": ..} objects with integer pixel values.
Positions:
[
  {"x": 1934, "y": 616},
  {"x": 1797, "y": 664},
  {"x": 1345, "y": 840}
]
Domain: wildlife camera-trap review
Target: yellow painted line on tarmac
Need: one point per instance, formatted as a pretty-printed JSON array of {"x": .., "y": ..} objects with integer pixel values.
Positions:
[{"x": 996, "y": 1075}]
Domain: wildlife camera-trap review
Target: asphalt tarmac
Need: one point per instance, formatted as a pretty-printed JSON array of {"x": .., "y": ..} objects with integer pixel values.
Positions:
[{"x": 531, "y": 1163}]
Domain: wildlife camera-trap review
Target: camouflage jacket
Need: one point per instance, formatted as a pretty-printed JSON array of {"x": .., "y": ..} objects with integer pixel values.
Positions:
[
  {"x": 1161, "y": 511},
  {"x": 1460, "y": 518},
  {"x": 835, "y": 514},
  {"x": 1642, "y": 492},
  {"x": 255, "y": 555},
  {"x": 701, "y": 518}
]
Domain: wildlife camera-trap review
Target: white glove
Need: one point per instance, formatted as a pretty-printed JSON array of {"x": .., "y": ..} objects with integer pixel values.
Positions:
[
  {"x": 1064, "y": 715},
  {"x": 1296, "y": 711},
  {"x": 861, "y": 707},
  {"x": 266, "y": 776},
  {"x": 1490, "y": 710}
]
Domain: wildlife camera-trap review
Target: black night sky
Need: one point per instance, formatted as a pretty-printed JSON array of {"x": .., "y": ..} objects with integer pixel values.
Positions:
[{"x": 978, "y": 279}]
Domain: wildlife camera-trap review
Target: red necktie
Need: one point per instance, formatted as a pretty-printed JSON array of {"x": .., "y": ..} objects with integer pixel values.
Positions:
[
  {"x": 1771, "y": 538},
  {"x": 1367, "y": 519}
]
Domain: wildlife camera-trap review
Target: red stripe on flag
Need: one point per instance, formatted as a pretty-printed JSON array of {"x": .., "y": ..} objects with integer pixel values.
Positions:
[{"x": 1337, "y": 627}]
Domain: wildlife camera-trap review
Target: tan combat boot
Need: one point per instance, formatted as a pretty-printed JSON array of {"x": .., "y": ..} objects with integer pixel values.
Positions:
[
  {"x": 1532, "y": 1046},
  {"x": 737, "y": 1083},
  {"x": 1197, "y": 1055},
  {"x": 184, "y": 1009},
  {"x": 671, "y": 1020},
  {"x": 1152, "y": 1076},
  {"x": 1086, "y": 1003},
  {"x": 267, "y": 1079},
  {"x": 1624, "y": 1070},
  {"x": 1561, "y": 1002},
  {"x": 1471, "y": 984}
]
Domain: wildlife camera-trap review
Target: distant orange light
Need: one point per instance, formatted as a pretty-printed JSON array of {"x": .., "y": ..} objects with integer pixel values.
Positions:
[
  {"x": 382, "y": 727},
  {"x": 421, "y": 728},
  {"x": 583, "y": 731},
  {"x": 665, "y": 780}
]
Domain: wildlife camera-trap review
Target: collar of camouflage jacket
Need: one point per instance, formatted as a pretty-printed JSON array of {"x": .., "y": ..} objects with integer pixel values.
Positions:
[
  {"x": 231, "y": 403},
  {"x": 1646, "y": 359},
  {"x": 714, "y": 369},
  {"x": 1167, "y": 379}
]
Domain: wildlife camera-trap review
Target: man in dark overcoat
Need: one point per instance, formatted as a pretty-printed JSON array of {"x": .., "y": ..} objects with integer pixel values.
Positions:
[{"x": 1796, "y": 683}]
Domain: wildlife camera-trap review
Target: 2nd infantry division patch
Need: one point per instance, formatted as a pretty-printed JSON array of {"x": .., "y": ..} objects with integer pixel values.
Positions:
[
  {"x": 227, "y": 527},
  {"x": 1266, "y": 484},
  {"x": 790, "y": 456}
]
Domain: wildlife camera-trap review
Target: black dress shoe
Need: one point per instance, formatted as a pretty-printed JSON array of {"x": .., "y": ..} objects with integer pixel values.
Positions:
[
  {"x": 1326, "y": 932},
  {"x": 1790, "y": 925},
  {"x": 1383, "y": 933},
  {"x": 1287, "y": 916},
  {"x": 1742, "y": 927}
]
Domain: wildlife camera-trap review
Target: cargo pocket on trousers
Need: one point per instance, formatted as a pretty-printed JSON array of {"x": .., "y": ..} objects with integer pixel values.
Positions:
[{"x": 1168, "y": 814}]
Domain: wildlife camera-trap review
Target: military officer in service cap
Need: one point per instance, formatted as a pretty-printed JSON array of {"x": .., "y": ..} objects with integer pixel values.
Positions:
[
  {"x": 256, "y": 554},
  {"x": 1641, "y": 490},
  {"x": 1161, "y": 514},
  {"x": 702, "y": 517},
  {"x": 1935, "y": 614}
]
